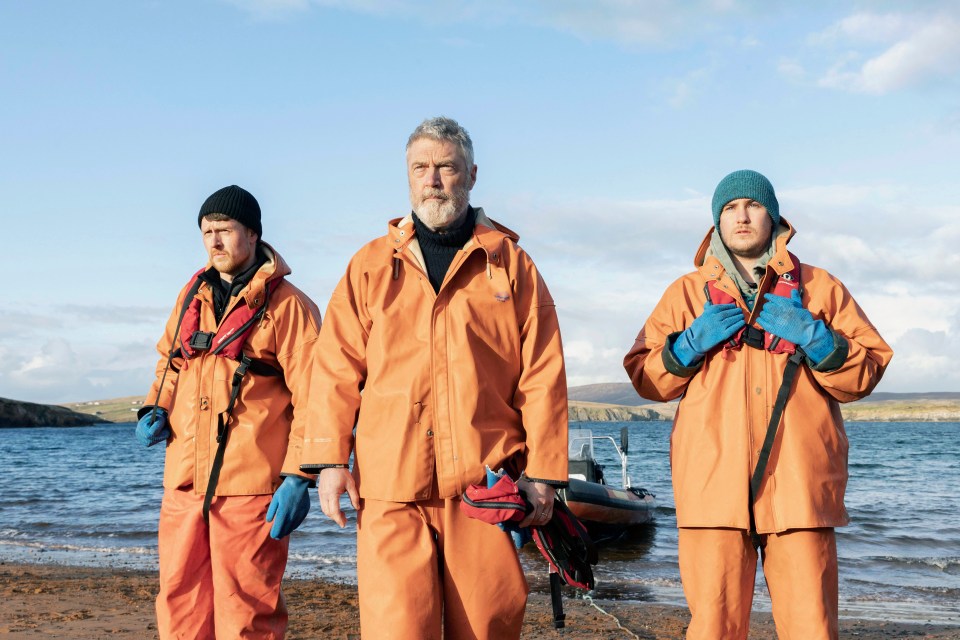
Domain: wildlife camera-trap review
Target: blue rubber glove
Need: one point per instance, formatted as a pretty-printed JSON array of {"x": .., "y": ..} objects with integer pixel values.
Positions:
[
  {"x": 150, "y": 432},
  {"x": 717, "y": 324},
  {"x": 786, "y": 317},
  {"x": 290, "y": 505}
]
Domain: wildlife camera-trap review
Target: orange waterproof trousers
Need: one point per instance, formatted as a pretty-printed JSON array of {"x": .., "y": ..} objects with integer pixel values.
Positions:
[
  {"x": 221, "y": 581},
  {"x": 718, "y": 568},
  {"x": 425, "y": 571}
]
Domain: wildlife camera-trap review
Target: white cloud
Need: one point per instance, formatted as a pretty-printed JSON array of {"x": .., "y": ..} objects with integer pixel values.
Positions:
[
  {"x": 791, "y": 69},
  {"x": 270, "y": 8},
  {"x": 866, "y": 28},
  {"x": 78, "y": 352},
  {"x": 115, "y": 314},
  {"x": 882, "y": 53},
  {"x": 682, "y": 91},
  {"x": 925, "y": 360}
]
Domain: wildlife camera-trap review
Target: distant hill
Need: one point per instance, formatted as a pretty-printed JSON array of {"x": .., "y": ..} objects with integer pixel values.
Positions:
[
  {"x": 619, "y": 402},
  {"x": 598, "y": 412},
  {"x": 14, "y": 413},
  {"x": 912, "y": 397},
  {"x": 115, "y": 410},
  {"x": 606, "y": 402},
  {"x": 623, "y": 393},
  {"x": 619, "y": 393}
]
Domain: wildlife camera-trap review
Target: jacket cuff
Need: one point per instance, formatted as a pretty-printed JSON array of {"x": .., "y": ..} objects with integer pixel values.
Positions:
[
  {"x": 835, "y": 359},
  {"x": 147, "y": 408},
  {"x": 317, "y": 468},
  {"x": 559, "y": 484},
  {"x": 311, "y": 482},
  {"x": 672, "y": 364}
]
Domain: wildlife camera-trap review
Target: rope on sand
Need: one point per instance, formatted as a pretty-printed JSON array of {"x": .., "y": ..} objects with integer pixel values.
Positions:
[{"x": 610, "y": 615}]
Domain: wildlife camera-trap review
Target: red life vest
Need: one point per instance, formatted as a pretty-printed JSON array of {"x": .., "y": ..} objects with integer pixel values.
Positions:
[
  {"x": 752, "y": 336},
  {"x": 229, "y": 338}
]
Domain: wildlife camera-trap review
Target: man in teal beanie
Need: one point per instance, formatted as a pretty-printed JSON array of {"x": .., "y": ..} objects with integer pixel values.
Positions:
[{"x": 760, "y": 350}]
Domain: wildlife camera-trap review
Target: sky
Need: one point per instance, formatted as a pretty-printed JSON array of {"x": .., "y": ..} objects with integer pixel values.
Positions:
[{"x": 600, "y": 130}]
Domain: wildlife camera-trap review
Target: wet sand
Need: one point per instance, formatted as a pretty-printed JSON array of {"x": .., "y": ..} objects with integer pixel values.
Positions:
[{"x": 45, "y": 601}]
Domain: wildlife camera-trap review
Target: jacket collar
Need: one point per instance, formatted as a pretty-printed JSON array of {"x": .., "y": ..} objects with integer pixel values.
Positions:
[
  {"x": 488, "y": 235},
  {"x": 275, "y": 267},
  {"x": 781, "y": 262}
]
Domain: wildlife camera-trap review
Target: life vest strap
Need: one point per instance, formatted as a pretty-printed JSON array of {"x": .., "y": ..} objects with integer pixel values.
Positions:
[
  {"x": 789, "y": 374},
  {"x": 223, "y": 424}
]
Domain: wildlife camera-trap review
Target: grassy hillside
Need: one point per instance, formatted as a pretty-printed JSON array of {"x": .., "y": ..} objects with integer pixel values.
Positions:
[
  {"x": 115, "y": 410},
  {"x": 920, "y": 410},
  {"x": 616, "y": 393}
]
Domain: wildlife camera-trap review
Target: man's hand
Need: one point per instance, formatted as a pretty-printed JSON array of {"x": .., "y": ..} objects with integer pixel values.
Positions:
[
  {"x": 540, "y": 496},
  {"x": 152, "y": 427},
  {"x": 786, "y": 317},
  {"x": 718, "y": 323},
  {"x": 333, "y": 482},
  {"x": 289, "y": 506}
]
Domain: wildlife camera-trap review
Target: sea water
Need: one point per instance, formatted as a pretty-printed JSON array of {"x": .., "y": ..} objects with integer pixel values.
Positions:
[{"x": 91, "y": 496}]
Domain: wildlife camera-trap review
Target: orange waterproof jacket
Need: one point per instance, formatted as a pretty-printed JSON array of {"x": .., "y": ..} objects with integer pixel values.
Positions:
[
  {"x": 728, "y": 397},
  {"x": 451, "y": 381},
  {"x": 266, "y": 431}
]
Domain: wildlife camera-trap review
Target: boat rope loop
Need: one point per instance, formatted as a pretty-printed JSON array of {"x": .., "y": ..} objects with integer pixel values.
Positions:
[{"x": 610, "y": 615}]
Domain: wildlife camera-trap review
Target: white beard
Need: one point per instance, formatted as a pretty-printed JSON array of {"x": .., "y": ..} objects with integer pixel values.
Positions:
[{"x": 438, "y": 214}]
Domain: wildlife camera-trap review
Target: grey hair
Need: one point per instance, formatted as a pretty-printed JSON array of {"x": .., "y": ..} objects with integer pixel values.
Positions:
[{"x": 441, "y": 128}]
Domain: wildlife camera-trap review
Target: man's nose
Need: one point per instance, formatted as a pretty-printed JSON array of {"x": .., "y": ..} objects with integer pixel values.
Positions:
[{"x": 431, "y": 177}]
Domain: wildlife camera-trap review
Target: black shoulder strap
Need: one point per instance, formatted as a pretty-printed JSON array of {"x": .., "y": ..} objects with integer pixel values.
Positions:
[
  {"x": 223, "y": 423},
  {"x": 174, "y": 349},
  {"x": 789, "y": 373}
]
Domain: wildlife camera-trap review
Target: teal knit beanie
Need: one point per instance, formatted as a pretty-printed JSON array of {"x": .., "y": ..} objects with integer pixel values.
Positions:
[{"x": 745, "y": 184}]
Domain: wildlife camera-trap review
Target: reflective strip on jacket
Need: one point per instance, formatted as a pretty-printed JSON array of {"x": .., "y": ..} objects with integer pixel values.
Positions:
[
  {"x": 727, "y": 399},
  {"x": 266, "y": 432},
  {"x": 451, "y": 381}
]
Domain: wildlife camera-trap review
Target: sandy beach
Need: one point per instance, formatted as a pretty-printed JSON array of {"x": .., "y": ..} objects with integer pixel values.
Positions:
[{"x": 44, "y": 601}]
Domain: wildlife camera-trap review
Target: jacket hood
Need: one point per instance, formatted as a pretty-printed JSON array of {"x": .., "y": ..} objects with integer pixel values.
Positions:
[{"x": 711, "y": 269}]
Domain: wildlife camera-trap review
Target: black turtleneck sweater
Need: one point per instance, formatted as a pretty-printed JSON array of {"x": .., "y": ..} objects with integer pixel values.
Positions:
[{"x": 439, "y": 247}]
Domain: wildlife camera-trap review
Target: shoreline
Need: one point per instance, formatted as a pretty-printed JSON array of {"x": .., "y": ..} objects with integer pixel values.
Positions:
[{"x": 85, "y": 603}]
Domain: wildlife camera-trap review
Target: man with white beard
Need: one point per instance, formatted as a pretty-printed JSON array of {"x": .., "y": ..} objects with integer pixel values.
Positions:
[{"x": 449, "y": 331}]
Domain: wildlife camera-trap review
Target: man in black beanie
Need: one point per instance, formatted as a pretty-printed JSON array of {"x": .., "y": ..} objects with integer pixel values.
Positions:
[{"x": 230, "y": 400}]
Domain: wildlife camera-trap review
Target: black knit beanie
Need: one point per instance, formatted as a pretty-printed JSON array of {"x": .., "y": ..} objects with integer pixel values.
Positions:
[{"x": 236, "y": 203}]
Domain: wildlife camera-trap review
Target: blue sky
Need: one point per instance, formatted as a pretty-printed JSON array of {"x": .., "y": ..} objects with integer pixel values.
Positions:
[{"x": 600, "y": 129}]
